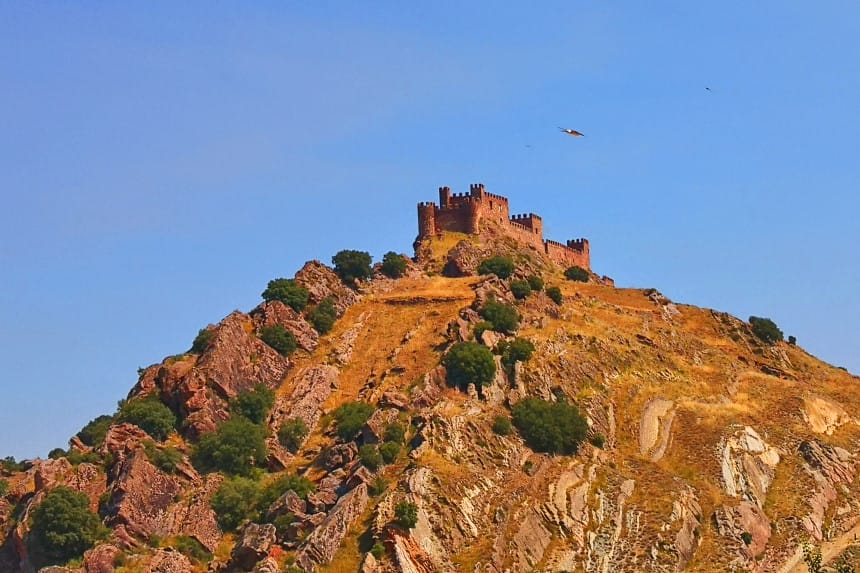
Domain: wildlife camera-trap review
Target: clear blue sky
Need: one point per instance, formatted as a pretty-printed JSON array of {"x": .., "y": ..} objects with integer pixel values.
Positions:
[{"x": 159, "y": 163}]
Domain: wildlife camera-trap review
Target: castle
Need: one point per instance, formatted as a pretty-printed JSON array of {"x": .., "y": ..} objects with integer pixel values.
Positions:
[{"x": 464, "y": 213}]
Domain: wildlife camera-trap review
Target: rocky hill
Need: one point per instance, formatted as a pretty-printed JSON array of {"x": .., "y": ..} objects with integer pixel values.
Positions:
[{"x": 707, "y": 449}]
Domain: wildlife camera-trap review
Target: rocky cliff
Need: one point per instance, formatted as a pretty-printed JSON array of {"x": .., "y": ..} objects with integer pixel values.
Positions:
[{"x": 708, "y": 450}]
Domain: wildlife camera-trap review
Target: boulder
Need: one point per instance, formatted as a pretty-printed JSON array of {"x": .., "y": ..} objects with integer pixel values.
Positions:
[
  {"x": 324, "y": 541},
  {"x": 123, "y": 439},
  {"x": 169, "y": 561},
  {"x": 100, "y": 559},
  {"x": 320, "y": 501},
  {"x": 311, "y": 389},
  {"x": 339, "y": 455},
  {"x": 194, "y": 516},
  {"x": 142, "y": 495},
  {"x": 277, "y": 313},
  {"x": 373, "y": 431},
  {"x": 463, "y": 260},
  {"x": 253, "y": 546},
  {"x": 393, "y": 399},
  {"x": 287, "y": 503},
  {"x": 322, "y": 282}
]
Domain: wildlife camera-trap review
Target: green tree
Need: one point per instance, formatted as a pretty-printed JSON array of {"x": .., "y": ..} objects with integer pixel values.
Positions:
[
  {"x": 149, "y": 414},
  {"x": 4, "y": 487},
  {"x": 166, "y": 459},
  {"x": 406, "y": 514},
  {"x": 370, "y": 457},
  {"x": 766, "y": 330},
  {"x": 502, "y": 267},
  {"x": 521, "y": 289},
  {"x": 389, "y": 451},
  {"x": 518, "y": 350},
  {"x": 535, "y": 282},
  {"x": 552, "y": 427},
  {"x": 292, "y": 434},
  {"x": 479, "y": 328},
  {"x": 323, "y": 315},
  {"x": 236, "y": 500},
  {"x": 234, "y": 448},
  {"x": 395, "y": 432},
  {"x": 578, "y": 274},
  {"x": 202, "y": 340},
  {"x": 812, "y": 557},
  {"x": 279, "y": 338},
  {"x": 352, "y": 265},
  {"x": 63, "y": 527},
  {"x": 503, "y": 317},
  {"x": 554, "y": 294},
  {"x": 469, "y": 363},
  {"x": 351, "y": 417},
  {"x": 94, "y": 432},
  {"x": 287, "y": 291},
  {"x": 11, "y": 465},
  {"x": 253, "y": 404},
  {"x": 393, "y": 265},
  {"x": 502, "y": 425}
]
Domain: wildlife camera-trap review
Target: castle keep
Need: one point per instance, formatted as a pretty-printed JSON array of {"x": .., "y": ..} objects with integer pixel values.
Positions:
[{"x": 464, "y": 213}]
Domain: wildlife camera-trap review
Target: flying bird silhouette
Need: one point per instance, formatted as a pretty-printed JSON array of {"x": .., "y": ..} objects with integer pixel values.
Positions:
[
  {"x": 572, "y": 132},
  {"x": 707, "y": 88}
]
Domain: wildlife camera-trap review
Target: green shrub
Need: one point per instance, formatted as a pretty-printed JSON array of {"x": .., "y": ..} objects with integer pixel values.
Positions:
[
  {"x": 520, "y": 289},
  {"x": 552, "y": 427},
  {"x": 94, "y": 432},
  {"x": 469, "y": 363},
  {"x": 287, "y": 291},
  {"x": 518, "y": 350},
  {"x": 63, "y": 527},
  {"x": 292, "y": 434},
  {"x": 202, "y": 340},
  {"x": 393, "y": 265},
  {"x": 378, "y": 550},
  {"x": 389, "y": 451},
  {"x": 56, "y": 454},
  {"x": 503, "y": 317},
  {"x": 746, "y": 537},
  {"x": 11, "y": 465},
  {"x": 578, "y": 274},
  {"x": 192, "y": 548},
  {"x": 167, "y": 459},
  {"x": 395, "y": 432},
  {"x": 765, "y": 329},
  {"x": 554, "y": 294},
  {"x": 323, "y": 315},
  {"x": 274, "y": 489},
  {"x": 406, "y": 514},
  {"x": 282, "y": 523},
  {"x": 378, "y": 486},
  {"x": 351, "y": 265},
  {"x": 535, "y": 282},
  {"x": 234, "y": 448},
  {"x": 598, "y": 440},
  {"x": 253, "y": 404},
  {"x": 236, "y": 500},
  {"x": 149, "y": 414},
  {"x": 77, "y": 457},
  {"x": 4, "y": 487},
  {"x": 351, "y": 417},
  {"x": 502, "y": 267},
  {"x": 502, "y": 425},
  {"x": 479, "y": 328},
  {"x": 792, "y": 340},
  {"x": 370, "y": 456},
  {"x": 279, "y": 338}
]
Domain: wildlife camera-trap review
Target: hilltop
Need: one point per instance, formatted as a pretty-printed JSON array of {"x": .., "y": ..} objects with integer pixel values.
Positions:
[{"x": 705, "y": 448}]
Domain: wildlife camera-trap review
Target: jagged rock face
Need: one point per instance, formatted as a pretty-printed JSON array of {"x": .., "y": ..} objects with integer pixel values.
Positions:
[
  {"x": 322, "y": 544},
  {"x": 253, "y": 547},
  {"x": 748, "y": 466},
  {"x": 322, "y": 282},
  {"x": 277, "y": 313},
  {"x": 311, "y": 389},
  {"x": 463, "y": 260},
  {"x": 169, "y": 561},
  {"x": 142, "y": 496},
  {"x": 100, "y": 559}
]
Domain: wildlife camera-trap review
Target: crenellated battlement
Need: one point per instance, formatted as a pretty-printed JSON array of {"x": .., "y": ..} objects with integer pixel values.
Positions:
[{"x": 466, "y": 212}]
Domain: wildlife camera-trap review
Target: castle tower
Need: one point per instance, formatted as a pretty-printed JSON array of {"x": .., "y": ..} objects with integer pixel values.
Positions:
[
  {"x": 473, "y": 209},
  {"x": 444, "y": 197},
  {"x": 426, "y": 219},
  {"x": 583, "y": 250}
]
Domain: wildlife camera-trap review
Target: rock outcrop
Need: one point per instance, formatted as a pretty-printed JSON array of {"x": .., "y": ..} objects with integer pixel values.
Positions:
[{"x": 325, "y": 540}]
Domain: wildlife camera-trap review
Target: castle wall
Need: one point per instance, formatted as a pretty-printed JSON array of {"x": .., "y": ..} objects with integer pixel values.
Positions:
[{"x": 567, "y": 256}]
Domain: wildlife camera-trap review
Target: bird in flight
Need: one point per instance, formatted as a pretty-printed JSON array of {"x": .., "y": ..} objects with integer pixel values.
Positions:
[
  {"x": 572, "y": 132},
  {"x": 707, "y": 88}
]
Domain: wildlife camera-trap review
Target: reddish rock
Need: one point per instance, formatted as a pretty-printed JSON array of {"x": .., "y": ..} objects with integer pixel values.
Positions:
[
  {"x": 169, "y": 561},
  {"x": 463, "y": 260},
  {"x": 123, "y": 439},
  {"x": 362, "y": 475},
  {"x": 194, "y": 516},
  {"x": 311, "y": 389},
  {"x": 100, "y": 559},
  {"x": 142, "y": 495},
  {"x": 339, "y": 455},
  {"x": 85, "y": 478},
  {"x": 323, "y": 543},
  {"x": 320, "y": 501},
  {"x": 253, "y": 546},
  {"x": 287, "y": 503},
  {"x": 322, "y": 282},
  {"x": 374, "y": 430},
  {"x": 394, "y": 400},
  {"x": 277, "y": 313}
]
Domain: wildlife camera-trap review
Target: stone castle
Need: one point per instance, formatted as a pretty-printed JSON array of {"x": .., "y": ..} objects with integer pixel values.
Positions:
[{"x": 464, "y": 213}]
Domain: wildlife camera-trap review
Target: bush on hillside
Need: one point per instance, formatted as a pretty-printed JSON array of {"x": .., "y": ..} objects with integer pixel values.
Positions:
[
  {"x": 94, "y": 432},
  {"x": 63, "y": 527},
  {"x": 551, "y": 427},
  {"x": 479, "y": 328},
  {"x": 236, "y": 500},
  {"x": 578, "y": 274},
  {"x": 350, "y": 418},
  {"x": 518, "y": 350},
  {"x": 287, "y": 291},
  {"x": 765, "y": 330},
  {"x": 292, "y": 434},
  {"x": 11, "y": 465},
  {"x": 237, "y": 446},
  {"x": 370, "y": 457},
  {"x": 503, "y": 317},
  {"x": 389, "y": 451},
  {"x": 352, "y": 265},
  {"x": 149, "y": 414},
  {"x": 4, "y": 487},
  {"x": 469, "y": 363},
  {"x": 323, "y": 315},
  {"x": 166, "y": 459},
  {"x": 792, "y": 340},
  {"x": 393, "y": 265},
  {"x": 535, "y": 282},
  {"x": 554, "y": 294},
  {"x": 279, "y": 338},
  {"x": 502, "y": 267},
  {"x": 274, "y": 489},
  {"x": 502, "y": 425},
  {"x": 202, "y": 340},
  {"x": 520, "y": 289},
  {"x": 253, "y": 405},
  {"x": 406, "y": 514},
  {"x": 395, "y": 432}
]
